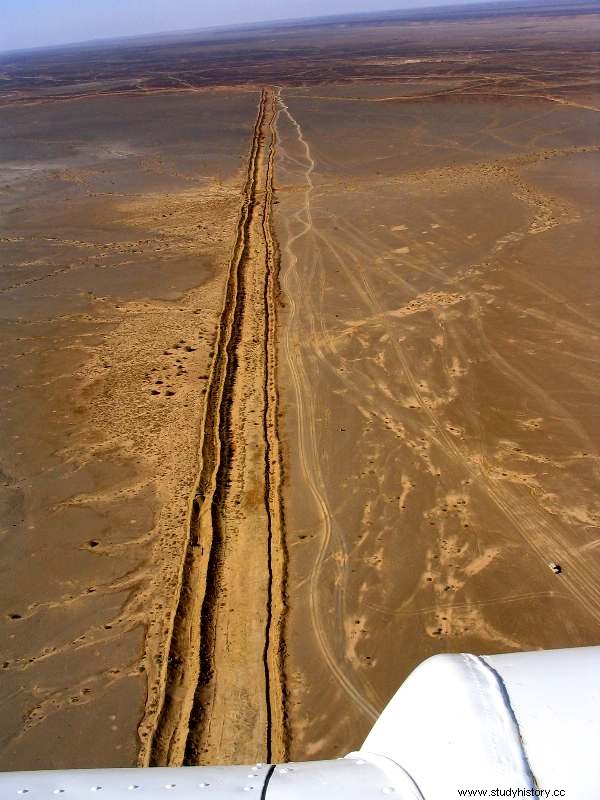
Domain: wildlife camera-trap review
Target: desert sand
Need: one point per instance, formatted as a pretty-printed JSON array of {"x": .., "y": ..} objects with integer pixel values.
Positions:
[{"x": 300, "y": 363}]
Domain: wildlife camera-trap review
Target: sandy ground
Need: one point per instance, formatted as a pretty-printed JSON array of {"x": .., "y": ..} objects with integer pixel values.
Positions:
[
  {"x": 116, "y": 241},
  {"x": 235, "y": 514},
  {"x": 439, "y": 364}
]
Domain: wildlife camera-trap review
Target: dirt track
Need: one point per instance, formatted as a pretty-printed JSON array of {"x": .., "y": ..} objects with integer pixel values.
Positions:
[{"x": 433, "y": 417}]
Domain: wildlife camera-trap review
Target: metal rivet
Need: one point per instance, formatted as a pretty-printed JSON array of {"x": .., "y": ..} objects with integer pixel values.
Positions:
[
  {"x": 253, "y": 775},
  {"x": 204, "y": 785},
  {"x": 170, "y": 785},
  {"x": 388, "y": 790},
  {"x": 248, "y": 788},
  {"x": 359, "y": 762},
  {"x": 133, "y": 786}
]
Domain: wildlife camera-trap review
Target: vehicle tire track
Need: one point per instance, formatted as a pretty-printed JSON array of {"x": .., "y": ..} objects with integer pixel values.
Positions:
[{"x": 307, "y": 439}]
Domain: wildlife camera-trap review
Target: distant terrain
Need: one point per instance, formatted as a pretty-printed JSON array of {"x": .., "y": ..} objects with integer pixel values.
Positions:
[{"x": 300, "y": 364}]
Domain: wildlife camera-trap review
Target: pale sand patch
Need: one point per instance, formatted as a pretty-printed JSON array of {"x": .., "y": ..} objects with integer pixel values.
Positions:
[{"x": 426, "y": 301}]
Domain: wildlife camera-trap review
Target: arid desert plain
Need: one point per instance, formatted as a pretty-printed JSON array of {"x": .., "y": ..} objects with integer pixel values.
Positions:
[{"x": 300, "y": 356}]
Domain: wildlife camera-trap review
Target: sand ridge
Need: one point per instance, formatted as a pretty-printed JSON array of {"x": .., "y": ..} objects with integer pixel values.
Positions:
[{"x": 235, "y": 556}]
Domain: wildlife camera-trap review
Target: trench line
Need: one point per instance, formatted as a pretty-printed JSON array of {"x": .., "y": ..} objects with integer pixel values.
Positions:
[{"x": 190, "y": 665}]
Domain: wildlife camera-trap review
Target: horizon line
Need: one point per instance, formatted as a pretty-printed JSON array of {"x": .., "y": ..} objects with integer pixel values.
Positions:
[{"x": 262, "y": 23}]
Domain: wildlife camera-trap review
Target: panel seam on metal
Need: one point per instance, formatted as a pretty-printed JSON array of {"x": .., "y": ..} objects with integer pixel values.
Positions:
[
  {"x": 268, "y": 777},
  {"x": 511, "y": 713}
]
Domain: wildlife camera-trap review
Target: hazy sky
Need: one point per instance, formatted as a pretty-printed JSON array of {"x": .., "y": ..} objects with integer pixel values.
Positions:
[{"x": 35, "y": 23}]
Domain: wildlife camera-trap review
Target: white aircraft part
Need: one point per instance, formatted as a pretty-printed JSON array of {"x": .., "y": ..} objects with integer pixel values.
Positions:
[
  {"x": 555, "y": 696},
  {"x": 347, "y": 778},
  {"x": 524, "y": 720},
  {"x": 160, "y": 783},
  {"x": 355, "y": 777},
  {"x": 451, "y": 713},
  {"x": 528, "y": 721}
]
